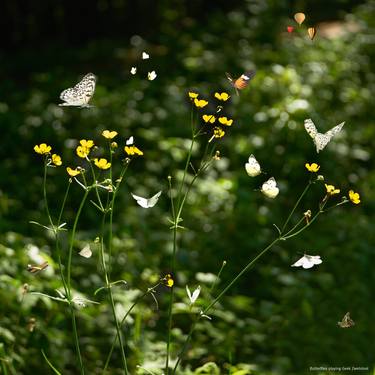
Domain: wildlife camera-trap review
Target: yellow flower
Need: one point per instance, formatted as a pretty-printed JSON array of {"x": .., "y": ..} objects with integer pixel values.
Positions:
[
  {"x": 133, "y": 150},
  {"x": 109, "y": 134},
  {"x": 209, "y": 118},
  {"x": 86, "y": 143},
  {"x": 82, "y": 151},
  {"x": 313, "y": 167},
  {"x": 56, "y": 159},
  {"x": 169, "y": 282},
  {"x": 73, "y": 172},
  {"x": 331, "y": 190},
  {"x": 354, "y": 197},
  {"x": 102, "y": 163},
  {"x": 218, "y": 133},
  {"x": 193, "y": 95},
  {"x": 223, "y": 96},
  {"x": 200, "y": 103},
  {"x": 225, "y": 121},
  {"x": 42, "y": 149}
]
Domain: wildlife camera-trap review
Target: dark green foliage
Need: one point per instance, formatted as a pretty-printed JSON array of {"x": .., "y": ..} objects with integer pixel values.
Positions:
[{"x": 276, "y": 319}]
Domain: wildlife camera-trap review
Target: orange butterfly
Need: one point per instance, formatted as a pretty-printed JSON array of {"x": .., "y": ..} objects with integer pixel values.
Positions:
[{"x": 241, "y": 82}]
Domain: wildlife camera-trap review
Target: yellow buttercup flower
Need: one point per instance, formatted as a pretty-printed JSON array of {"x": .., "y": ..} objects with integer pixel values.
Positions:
[
  {"x": 200, "y": 103},
  {"x": 354, "y": 197},
  {"x": 86, "y": 143},
  {"x": 193, "y": 95},
  {"x": 225, "y": 121},
  {"x": 331, "y": 190},
  {"x": 169, "y": 282},
  {"x": 218, "y": 133},
  {"x": 73, "y": 172},
  {"x": 82, "y": 151},
  {"x": 56, "y": 159},
  {"x": 133, "y": 150},
  {"x": 42, "y": 149},
  {"x": 102, "y": 163},
  {"x": 109, "y": 134},
  {"x": 209, "y": 118},
  {"x": 223, "y": 96},
  {"x": 313, "y": 167}
]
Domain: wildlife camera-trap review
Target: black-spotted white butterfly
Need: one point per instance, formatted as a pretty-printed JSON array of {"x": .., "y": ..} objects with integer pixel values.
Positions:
[
  {"x": 81, "y": 93},
  {"x": 346, "y": 321},
  {"x": 321, "y": 139}
]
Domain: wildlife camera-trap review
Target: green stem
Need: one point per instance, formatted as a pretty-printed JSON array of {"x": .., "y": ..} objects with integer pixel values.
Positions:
[
  {"x": 45, "y": 192},
  {"x": 68, "y": 282},
  {"x": 148, "y": 291},
  {"x": 112, "y": 302},
  {"x": 296, "y": 205},
  {"x": 231, "y": 283}
]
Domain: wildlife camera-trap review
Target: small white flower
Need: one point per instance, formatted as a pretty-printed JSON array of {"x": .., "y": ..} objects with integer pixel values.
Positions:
[
  {"x": 145, "y": 56},
  {"x": 151, "y": 75},
  {"x": 252, "y": 166},
  {"x": 193, "y": 297},
  {"x": 307, "y": 261},
  {"x": 269, "y": 188},
  {"x": 133, "y": 70}
]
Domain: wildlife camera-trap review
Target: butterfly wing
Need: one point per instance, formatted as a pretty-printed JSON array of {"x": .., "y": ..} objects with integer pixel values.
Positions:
[
  {"x": 252, "y": 166},
  {"x": 299, "y": 262},
  {"x": 310, "y": 128},
  {"x": 229, "y": 78},
  {"x": 346, "y": 321},
  {"x": 153, "y": 200},
  {"x": 242, "y": 82},
  {"x": 331, "y": 133},
  {"x": 81, "y": 93},
  {"x": 143, "y": 202},
  {"x": 86, "y": 251}
]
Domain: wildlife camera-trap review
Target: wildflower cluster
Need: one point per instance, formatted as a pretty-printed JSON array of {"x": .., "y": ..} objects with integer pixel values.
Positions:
[
  {"x": 218, "y": 130},
  {"x": 44, "y": 149}
]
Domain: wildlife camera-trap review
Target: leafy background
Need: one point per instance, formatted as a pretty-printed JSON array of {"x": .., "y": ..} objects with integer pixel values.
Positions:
[{"x": 277, "y": 319}]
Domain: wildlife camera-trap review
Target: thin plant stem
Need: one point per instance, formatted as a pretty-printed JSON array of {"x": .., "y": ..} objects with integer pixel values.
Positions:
[
  {"x": 181, "y": 199},
  {"x": 112, "y": 302},
  {"x": 68, "y": 281},
  {"x": 281, "y": 237},
  {"x": 296, "y": 205},
  {"x": 148, "y": 291}
]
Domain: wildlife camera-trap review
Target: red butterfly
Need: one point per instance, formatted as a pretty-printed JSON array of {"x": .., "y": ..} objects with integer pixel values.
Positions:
[{"x": 241, "y": 82}]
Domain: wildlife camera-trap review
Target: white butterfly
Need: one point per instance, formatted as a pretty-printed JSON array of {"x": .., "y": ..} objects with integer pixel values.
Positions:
[
  {"x": 269, "y": 188},
  {"x": 86, "y": 252},
  {"x": 145, "y": 56},
  {"x": 81, "y": 93},
  {"x": 321, "y": 139},
  {"x": 147, "y": 202},
  {"x": 193, "y": 297},
  {"x": 133, "y": 70},
  {"x": 130, "y": 141},
  {"x": 252, "y": 166},
  {"x": 151, "y": 75},
  {"x": 346, "y": 321},
  {"x": 307, "y": 261}
]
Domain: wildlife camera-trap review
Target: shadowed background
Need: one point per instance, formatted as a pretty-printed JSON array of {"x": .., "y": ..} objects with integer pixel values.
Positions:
[{"x": 276, "y": 319}]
